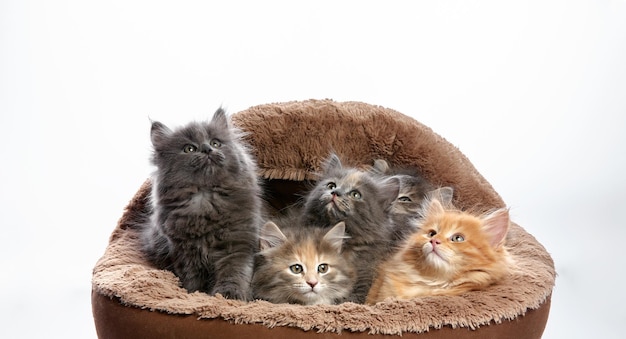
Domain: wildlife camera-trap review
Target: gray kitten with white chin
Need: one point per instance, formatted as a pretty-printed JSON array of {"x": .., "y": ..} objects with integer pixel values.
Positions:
[
  {"x": 206, "y": 207},
  {"x": 406, "y": 207}
]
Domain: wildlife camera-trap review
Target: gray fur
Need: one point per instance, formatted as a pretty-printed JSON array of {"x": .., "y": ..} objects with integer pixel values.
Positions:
[
  {"x": 206, "y": 207},
  {"x": 406, "y": 208}
]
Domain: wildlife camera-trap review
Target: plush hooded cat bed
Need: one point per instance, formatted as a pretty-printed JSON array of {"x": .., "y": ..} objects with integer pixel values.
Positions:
[{"x": 132, "y": 299}]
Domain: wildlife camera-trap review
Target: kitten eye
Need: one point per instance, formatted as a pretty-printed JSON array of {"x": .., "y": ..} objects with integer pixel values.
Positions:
[
  {"x": 215, "y": 143},
  {"x": 322, "y": 268},
  {"x": 331, "y": 186},
  {"x": 189, "y": 148},
  {"x": 404, "y": 199},
  {"x": 355, "y": 194},
  {"x": 432, "y": 233},
  {"x": 457, "y": 238},
  {"x": 297, "y": 268}
]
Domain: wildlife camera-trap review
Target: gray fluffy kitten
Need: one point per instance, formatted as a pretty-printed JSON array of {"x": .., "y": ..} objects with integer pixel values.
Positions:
[
  {"x": 407, "y": 206},
  {"x": 361, "y": 200},
  {"x": 406, "y": 210},
  {"x": 206, "y": 207}
]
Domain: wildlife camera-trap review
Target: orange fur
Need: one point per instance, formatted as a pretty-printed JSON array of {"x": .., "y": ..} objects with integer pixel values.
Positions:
[{"x": 455, "y": 267}]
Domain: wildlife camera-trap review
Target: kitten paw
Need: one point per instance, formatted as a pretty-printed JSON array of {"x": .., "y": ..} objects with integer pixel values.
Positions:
[{"x": 231, "y": 293}]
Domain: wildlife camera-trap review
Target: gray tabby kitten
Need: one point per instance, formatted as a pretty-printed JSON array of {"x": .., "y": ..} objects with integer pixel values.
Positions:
[
  {"x": 302, "y": 266},
  {"x": 206, "y": 207},
  {"x": 360, "y": 199},
  {"x": 407, "y": 206}
]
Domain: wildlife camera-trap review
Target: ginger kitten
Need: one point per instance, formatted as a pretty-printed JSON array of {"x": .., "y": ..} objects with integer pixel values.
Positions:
[{"x": 452, "y": 252}]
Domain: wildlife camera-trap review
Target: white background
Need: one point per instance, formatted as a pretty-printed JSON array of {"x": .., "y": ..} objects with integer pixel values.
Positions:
[{"x": 533, "y": 92}]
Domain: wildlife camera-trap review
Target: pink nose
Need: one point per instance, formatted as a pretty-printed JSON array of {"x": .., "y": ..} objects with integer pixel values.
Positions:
[
  {"x": 435, "y": 241},
  {"x": 312, "y": 283}
]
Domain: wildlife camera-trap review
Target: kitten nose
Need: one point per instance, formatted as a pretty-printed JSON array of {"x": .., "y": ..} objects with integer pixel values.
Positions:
[
  {"x": 435, "y": 241},
  {"x": 335, "y": 193},
  {"x": 205, "y": 148},
  {"x": 312, "y": 283}
]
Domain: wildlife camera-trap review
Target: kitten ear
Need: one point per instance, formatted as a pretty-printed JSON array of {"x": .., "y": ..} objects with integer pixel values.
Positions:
[
  {"x": 333, "y": 162},
  {"x": 432, "y": 206},
  {"x": 336, "y": 235},
  {"x": 220, "y": 119},
  {"x": 389, "y": 189},
  {"x": 443, "y": 194},
  {"x": 496, "y": 224},
  {"x": 380, "y": 166},
  {"x": 271, "y": 236},
  {"x": 159, "y": 132}
]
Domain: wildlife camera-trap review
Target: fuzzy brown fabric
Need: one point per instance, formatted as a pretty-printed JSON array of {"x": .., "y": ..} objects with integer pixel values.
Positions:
[{"x": 291, "y": 140}]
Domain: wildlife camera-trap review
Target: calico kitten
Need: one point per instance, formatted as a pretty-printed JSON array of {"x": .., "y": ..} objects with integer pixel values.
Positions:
[
  {"x": 359, "y": 199},
  {"x": 453, "y": 252},
  {"x": 206, "y": 207},
  {"x": 302, "y": 266}
]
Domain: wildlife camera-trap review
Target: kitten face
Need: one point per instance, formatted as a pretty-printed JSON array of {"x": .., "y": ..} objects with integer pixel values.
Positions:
[
  {"x": 346, "y": 192},
  {"x": 301, "y": 268},
  {"x": 450, "y": 242},
  {"x": 412, "y": 192},
  {"x": 413, "y": 187},
  {"x": 340, "y": 196},
  {"x": 195, "y": 150},
  {"x": 447, "y": 242},
  {"x": 309, "y": 275}
]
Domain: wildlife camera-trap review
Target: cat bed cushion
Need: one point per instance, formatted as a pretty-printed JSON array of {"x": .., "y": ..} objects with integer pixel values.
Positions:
[{"x": 133, "y": 299}]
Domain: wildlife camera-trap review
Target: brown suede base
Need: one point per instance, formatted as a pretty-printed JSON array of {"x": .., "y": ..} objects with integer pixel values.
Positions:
[{"x": 113, "y": 320}]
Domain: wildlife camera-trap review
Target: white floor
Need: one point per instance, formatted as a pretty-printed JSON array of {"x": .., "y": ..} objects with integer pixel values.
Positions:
[{"x": 533, "y": 92}]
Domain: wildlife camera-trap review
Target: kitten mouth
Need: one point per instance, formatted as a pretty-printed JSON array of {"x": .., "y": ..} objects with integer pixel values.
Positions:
[
  {"x": 204, "y": 162},
  {"x": 439, "y": 255},
  {"x": 435, "y": 255},
  {"x": 213, "y": 160},
  {"x": 307, "y": 292},
  {"x": 333, "y": 210},
  {"x": 312, "y": 295}
]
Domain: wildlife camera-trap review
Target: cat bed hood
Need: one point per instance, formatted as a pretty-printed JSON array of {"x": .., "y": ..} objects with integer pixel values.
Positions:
[{"x": 131, "y": 298}]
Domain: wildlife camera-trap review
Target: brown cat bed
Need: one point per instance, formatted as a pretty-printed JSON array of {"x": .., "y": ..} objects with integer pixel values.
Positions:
[{"x": 132, "y": 299}]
